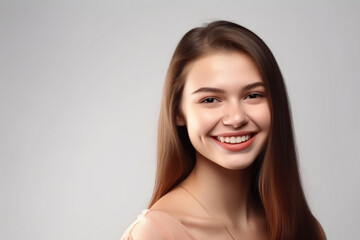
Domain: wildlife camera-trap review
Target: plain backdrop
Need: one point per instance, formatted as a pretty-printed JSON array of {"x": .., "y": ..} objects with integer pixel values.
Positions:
[{"x": 80, "y": 92}]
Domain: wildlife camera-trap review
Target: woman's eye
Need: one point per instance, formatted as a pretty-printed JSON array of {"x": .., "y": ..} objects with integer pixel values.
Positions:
[
  {"x": 254, "y": 95},
  {"x": 209, "y": 100}
]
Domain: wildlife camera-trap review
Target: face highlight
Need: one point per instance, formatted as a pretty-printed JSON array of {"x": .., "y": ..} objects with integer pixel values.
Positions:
[{"x": 225, "y": 109}]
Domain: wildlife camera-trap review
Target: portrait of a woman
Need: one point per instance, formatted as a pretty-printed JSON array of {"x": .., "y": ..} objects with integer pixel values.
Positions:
[{"x": 226, "y": 157}]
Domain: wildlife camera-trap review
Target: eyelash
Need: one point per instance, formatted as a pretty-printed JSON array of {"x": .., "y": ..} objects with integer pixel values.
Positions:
[
  {"x": 249, "y": 96},
  {"x": 254, "y": 95},
  {"x": 209, "y": 100}
]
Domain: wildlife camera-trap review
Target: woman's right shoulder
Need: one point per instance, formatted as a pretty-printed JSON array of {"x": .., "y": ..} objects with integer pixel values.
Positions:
[
  {"x": 144, "y": 227},
  {"x": 156, "y": 225}
]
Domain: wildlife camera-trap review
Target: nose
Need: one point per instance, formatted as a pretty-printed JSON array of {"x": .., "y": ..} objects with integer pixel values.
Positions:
[{"x": 235, "y": 116}]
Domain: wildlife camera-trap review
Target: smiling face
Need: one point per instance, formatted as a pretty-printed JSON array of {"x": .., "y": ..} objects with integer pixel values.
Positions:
[{"x": 225, "y": 109}]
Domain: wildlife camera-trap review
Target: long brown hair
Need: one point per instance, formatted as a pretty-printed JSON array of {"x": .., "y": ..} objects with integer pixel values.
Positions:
[{"x": 277, "y": 182}]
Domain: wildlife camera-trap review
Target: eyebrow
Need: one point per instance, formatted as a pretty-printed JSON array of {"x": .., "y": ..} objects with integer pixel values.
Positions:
[
  {"x": 254, "y": 85},
  {"x": 208, "y": 89},
  {"x": 218, "y": 90}
]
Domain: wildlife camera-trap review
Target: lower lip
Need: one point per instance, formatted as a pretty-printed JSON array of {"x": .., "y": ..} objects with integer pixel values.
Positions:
[{"x": 234, "y": 147}]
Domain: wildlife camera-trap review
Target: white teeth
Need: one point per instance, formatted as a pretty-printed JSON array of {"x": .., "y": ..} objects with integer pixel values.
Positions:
[{"x": 237, "y": 139}]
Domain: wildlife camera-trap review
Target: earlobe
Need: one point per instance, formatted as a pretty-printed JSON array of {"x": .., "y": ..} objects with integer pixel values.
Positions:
[{"x": 180, "y": 121}]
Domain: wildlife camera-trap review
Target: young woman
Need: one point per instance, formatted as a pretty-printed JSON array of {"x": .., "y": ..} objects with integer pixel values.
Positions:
[{"x": 227, "y": 166}]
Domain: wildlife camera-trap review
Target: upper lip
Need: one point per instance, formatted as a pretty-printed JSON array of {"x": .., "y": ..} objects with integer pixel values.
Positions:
[{"x": 231, "y": 134}]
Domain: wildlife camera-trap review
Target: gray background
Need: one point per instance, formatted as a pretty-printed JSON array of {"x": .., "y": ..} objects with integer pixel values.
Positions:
[{"x": 80, "y": 92}]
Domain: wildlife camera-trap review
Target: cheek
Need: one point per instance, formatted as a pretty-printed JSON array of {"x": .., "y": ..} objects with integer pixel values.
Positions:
[
  {"x": 200, "y": 122},
  {"x": 265, "y": 117},
  {"x": 265, "y": 120},
  {"x": 197, "y": 121},
  {"x": 262, "y": 117}
]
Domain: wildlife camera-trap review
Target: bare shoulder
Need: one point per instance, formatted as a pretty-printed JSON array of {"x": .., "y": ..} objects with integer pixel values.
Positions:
[
  {"x": 142, "y": 228},
  {"x": 156, "y": 225}
]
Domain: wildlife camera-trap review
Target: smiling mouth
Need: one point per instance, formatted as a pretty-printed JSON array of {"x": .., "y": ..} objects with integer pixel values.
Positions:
[{"x": 234, "y": 139}]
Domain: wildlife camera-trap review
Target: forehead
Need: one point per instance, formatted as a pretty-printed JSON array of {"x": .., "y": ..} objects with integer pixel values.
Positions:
[{"x": 222, "y": 68}]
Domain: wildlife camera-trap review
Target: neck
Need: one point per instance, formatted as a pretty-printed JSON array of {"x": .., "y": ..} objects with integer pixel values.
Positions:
[{"x": 225, "y": 193}]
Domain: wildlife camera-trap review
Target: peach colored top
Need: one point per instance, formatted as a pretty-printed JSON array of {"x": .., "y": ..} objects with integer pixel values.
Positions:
[{"x": 159, "y": 225}]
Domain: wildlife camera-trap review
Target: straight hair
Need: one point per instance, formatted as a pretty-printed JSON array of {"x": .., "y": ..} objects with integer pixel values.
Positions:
[{"x": 276, "y": 178}]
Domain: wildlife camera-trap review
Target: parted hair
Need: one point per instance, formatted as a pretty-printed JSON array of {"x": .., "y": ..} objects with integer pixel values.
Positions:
[{"x": 276, "y": 178}]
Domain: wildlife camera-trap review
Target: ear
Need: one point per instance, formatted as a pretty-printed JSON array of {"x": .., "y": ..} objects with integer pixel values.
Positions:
[{"x": 180, "y": 120}]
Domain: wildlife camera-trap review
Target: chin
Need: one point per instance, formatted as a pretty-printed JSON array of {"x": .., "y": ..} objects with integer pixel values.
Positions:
[{"x": 237, "y": 166}]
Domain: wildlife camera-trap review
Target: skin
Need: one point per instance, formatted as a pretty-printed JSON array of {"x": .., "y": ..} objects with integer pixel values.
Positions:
[{"x": 224, "y": 95}]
